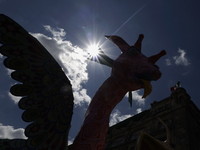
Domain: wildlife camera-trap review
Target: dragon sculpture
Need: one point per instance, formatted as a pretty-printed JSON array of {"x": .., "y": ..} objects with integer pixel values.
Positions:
[{"x": 47, "y": 97}]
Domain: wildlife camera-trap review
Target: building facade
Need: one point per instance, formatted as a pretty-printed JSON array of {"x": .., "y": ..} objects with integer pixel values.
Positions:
[{"x": 177, "y": 111}]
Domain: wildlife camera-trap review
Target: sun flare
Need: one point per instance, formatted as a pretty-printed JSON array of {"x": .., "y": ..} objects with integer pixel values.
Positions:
[{"x": 93, "y": 50}]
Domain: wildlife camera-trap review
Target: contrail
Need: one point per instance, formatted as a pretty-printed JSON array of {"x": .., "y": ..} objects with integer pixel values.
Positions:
[{"x": 130, "y": 17}]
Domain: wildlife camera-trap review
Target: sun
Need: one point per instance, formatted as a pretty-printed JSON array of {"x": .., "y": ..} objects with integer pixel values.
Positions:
[{"x": 93, "y": 50}]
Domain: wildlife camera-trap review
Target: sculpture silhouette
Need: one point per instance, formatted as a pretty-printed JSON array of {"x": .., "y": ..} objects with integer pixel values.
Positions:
[
  {"x": 147, "y": 142},
  {"x": 47, "y": 93}
]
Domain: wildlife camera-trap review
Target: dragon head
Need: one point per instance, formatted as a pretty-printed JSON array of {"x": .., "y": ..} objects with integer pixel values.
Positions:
[{"x": 133, "y": 68}]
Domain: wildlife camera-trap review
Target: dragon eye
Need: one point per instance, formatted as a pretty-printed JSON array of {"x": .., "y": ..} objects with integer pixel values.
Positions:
[{"x": 133, "y": 51}]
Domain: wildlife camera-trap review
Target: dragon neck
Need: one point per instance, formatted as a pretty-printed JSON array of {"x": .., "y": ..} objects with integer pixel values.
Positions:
[
  {"x": 96, "y": 122},
  {"x": 110, "y": 93}
]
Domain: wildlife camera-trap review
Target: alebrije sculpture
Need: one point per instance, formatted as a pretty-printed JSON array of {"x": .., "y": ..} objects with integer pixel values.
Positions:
[
  {"x": 47, "y": 93},
  {"x": 147, "y": 142}
]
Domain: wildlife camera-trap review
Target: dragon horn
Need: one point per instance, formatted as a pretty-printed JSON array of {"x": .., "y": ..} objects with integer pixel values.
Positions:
[
  {"x": 138, "y": 43},
  {"x": 121, "y": 43},
  {"x": 153, "y": 59}
]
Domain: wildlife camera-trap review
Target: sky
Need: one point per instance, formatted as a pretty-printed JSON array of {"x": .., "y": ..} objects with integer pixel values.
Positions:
[{"x": 67, "y": 29}]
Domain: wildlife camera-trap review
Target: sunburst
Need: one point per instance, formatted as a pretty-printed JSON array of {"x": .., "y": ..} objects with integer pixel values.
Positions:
[{"x": 93, "y": 50}]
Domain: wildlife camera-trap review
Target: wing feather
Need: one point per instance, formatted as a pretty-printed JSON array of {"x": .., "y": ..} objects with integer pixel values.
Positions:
[{"x": 46, "y": 92}]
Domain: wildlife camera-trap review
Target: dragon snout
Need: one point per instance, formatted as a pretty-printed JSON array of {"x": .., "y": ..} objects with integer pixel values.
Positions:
[{"x": 146, "y": 78}]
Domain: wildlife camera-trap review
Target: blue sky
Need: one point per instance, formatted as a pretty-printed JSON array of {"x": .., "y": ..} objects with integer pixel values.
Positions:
[{"x": 67, "y": 28}]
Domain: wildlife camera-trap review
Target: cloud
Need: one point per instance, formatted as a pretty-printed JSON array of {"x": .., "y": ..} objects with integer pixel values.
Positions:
[
  {"x": 139, "y": 110},
  {"x": 56, "y": 34},
  {"x": 168, "y": 61},
  {"x": 137, "y": 97},
  {"x": 71, "y": 58},
  {"x": 8, "y": 132},
  {"x": 14, "y": 98},
  {"x": 9, "y": 71},
  {"x": 70, "y": 140},
  {"x": 81, "y": 97},
  {"x": 179, "y": 60},
  {"x": 116, "y": 117}
]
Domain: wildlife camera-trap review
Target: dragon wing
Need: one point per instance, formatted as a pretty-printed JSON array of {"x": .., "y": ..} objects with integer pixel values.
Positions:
[{"x": 45, "y": 90}]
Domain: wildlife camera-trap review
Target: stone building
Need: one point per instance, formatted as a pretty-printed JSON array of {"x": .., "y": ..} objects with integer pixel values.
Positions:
[{"x": 177, "y": 111}]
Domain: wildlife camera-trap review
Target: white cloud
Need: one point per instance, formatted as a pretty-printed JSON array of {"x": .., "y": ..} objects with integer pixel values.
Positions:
[
  {"x": 71, "y": 58},
  {"x": 80, "y": 97},
  {"x": 56, "y": 34},
  {"x": 9, "y": 71},
  {"x": 139, "y": 110},
  {"x": 181, "y": 60},
  {"x": 70, "y": 140},
  {"x": 8, "y": 132},
  {"x": 168, "y": 61},
  {"x": 14, "y": 98},
  {"x": 137, "y": 97},
  {"x": 116, "y": 117}
]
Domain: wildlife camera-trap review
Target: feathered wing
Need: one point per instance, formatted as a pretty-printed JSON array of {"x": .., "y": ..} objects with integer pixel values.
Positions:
[{"x": 45, "y": 90}]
